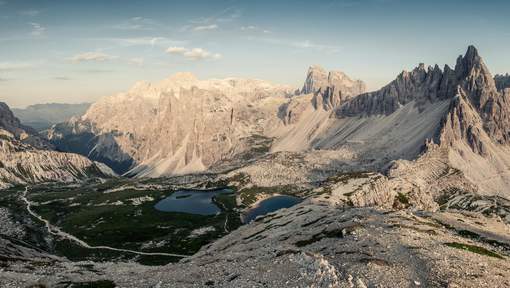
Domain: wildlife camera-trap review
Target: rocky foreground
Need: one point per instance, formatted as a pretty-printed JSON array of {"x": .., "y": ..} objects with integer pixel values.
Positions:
[{"x": 314, "y": 244}]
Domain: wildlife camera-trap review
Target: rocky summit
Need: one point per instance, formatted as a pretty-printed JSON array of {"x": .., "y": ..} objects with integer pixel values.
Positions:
[
  {"x": 330, "y": 89},
  {"x": 244, "y": 183}
]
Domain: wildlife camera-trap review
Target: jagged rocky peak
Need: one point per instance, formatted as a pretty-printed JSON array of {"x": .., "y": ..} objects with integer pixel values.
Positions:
[
  {"x": 471, "y": 64},
  {"x": 330, "y": 89},
  {"x": 420, "y": 74},
  {"x": 421, "y": 85},
  {"x": 478, "y": 111},
  {"x": 475, "y": 79},
  {"x": 316, "y": 78},
  {"x": 471, "y": 60},
  {"x": 429, "y": 85},
  {"x": 479, "y": 88}
]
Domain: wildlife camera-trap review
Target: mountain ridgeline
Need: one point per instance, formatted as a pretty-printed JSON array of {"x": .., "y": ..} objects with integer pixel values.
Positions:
[
  {"x": 185, "y": 125},
  {"x": 43, "y": 116}
]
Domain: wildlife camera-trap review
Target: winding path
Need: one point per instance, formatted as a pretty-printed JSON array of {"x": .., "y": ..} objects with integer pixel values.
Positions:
[
  {"x": 54, "y": 230},
  {"x": 226, "y": 215}
]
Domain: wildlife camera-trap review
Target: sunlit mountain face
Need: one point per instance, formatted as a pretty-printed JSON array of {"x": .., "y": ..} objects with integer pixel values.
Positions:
[{"x": 254, "y": 144}]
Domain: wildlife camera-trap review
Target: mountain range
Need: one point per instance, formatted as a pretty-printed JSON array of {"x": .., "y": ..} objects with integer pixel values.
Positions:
[
  {"x": 186, "y": 125},
  {"x": 405, "y": 186}
]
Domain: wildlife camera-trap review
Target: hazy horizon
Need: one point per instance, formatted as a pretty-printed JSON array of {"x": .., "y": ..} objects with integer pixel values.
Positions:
[{"x": 68, "y": 52}]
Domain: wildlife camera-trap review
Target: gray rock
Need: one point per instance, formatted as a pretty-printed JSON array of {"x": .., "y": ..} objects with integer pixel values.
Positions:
[
  {"x": 419, "y": 85},
  {"x": 502, "y": 81},
  {"x": 330, "y": 89}
]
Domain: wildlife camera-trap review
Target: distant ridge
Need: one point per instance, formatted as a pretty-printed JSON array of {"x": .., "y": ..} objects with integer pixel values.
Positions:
[
  {"x": 43, "y": 116},
  {"x": 25, "y": 158}
]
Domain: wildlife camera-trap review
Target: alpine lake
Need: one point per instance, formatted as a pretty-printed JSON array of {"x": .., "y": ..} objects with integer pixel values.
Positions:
[{"x": 146, "y": 216}]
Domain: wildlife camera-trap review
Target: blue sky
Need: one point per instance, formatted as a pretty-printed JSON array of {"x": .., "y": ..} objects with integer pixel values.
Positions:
[{"x": 76, "y": 51}]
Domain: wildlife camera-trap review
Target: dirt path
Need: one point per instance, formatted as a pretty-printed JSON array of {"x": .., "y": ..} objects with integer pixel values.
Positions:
[{"x": 54, "y": 230}]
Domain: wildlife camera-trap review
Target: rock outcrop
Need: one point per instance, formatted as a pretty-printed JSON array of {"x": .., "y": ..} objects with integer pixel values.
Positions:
[
  {"x": 477, "y": 85},
  {"x": 420, "y": 85},
  {"x": 502, "y": 81},
  {"x": 330, "y": 89}
]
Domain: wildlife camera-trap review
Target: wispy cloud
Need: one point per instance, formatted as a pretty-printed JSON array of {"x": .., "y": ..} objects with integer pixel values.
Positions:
[
  {"x": 37, "y": 29},
  {"x": 253, "y": 28},
  {"x": 229, "y": 15},
  {"x": 303, "y": 44},
  {"x": 176, "y": 50},
  {"x": 10, "y": 66},
  {"x": 212, "y": 22},
  {"x": 137, "y": 23},
  {"x": 92, "y": 57},
  {"x": 140, "y": 41},
  {"x": 307, "y": 44},
  {"x": 194, "y": 53},
  {"x": 29, "y": 13},
  {"x": 143, "y": 41},
  {"x": 206, "y": 27},
  {"x": 98, "y": 56}
]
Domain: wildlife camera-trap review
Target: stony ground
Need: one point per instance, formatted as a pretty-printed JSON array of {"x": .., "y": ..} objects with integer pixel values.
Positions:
[
  {"x": 313, "y": 244},
  {"x": 420, "y": 225}
]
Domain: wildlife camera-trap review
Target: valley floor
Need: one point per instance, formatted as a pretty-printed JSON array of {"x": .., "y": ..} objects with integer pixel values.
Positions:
[
  {"x": 353, "y": 229},
  {"x": 59, "y": 233},
  {"x": 313, "y": 244}
]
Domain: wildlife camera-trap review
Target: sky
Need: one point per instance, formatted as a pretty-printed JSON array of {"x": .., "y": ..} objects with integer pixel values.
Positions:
[{"x": 78, "y": 51}]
